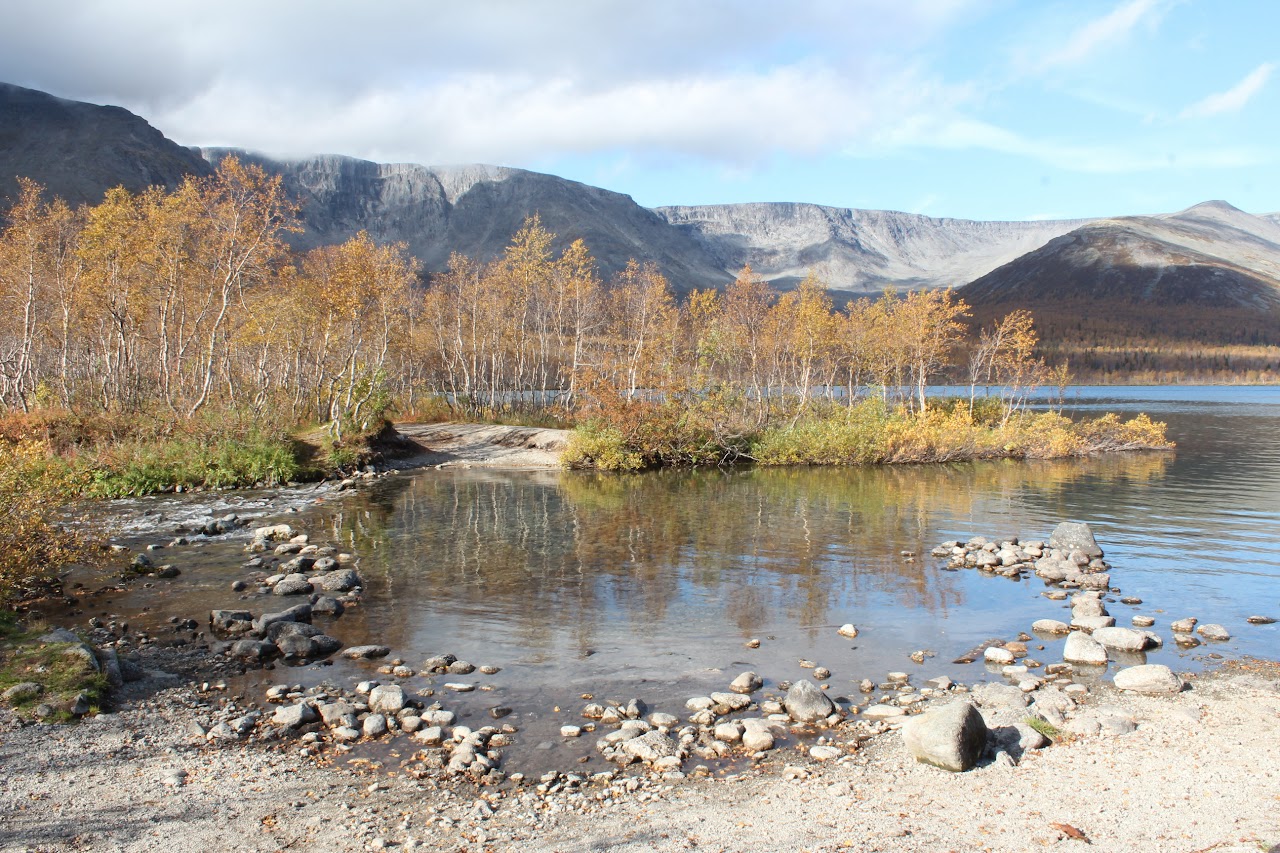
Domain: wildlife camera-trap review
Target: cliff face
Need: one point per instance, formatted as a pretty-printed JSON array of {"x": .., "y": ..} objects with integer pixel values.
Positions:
[
  {"x": 475, "y": 210},
  {"x": 859, "y": 250},
  {"x": 78, "y": 151}
]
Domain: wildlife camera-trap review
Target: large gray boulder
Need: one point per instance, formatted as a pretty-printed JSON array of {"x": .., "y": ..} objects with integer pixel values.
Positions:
[
  {"x": 1081, "y": 648},
  {"x": 1075, "y": 536},
  {"x": 386, "y": 699},
  {"x": 1121, "y": 639},
  {"x": 1148, "y": 678},
  {"x": 807, "y": 704},
  {"x": 951, "y": 737}
]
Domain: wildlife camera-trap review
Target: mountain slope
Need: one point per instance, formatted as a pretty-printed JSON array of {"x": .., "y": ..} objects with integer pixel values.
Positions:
[
  {"x": 1208, "y": 255},
  {"x": 475, "y": 210},
  {"x": 859, "y": 250},
  {"x": 78, "y": 150}
]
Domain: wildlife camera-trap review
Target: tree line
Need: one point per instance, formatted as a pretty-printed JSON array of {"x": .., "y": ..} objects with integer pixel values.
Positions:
[{"x": 184, "y": 300}]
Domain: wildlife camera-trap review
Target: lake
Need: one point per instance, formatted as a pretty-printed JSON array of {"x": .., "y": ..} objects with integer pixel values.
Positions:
[{"x": 648, "y": 585}]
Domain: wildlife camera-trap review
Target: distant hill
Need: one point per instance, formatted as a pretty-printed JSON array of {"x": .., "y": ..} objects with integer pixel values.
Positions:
[
  {"x": 1188, "y": 296},
  {"x": 859, "y": 250},
  {"x": 79, "y": 151}
]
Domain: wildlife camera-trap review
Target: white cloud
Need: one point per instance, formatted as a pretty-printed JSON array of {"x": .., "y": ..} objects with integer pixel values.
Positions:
[
  {"x": 505, "y": 80},
  {"x": 1110, "y": 28},
  {"x": 1234, "y": 99}
]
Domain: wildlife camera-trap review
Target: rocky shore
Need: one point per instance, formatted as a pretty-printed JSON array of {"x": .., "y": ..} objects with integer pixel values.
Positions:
[{"x": 1037, "y": 750}]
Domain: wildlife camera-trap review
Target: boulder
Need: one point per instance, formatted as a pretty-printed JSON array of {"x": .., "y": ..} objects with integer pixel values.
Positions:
[
  {"x": 649, "y": 746},
  {"x": 1075, "y": 536},
  {"x": 1081, "y": 648},
  {"x": 293, "y": 716},
  {"x": 339, "y": 580},
  {"x": 1121, "y": 639},
  {"x": 951, "y": 737},
  {"x": 807, "y": 704},
  {"x": 1148, "y": 678},
  {"x": 22, "y": 692},
  {"x": 386, "y": 699},
  {"x": 297, "y": 613},
  {"x": 1214, "y": 632}
]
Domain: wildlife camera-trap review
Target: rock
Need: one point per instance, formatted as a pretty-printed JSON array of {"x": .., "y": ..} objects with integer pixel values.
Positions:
[
  {"x": 1148, "y": 678},
  {"x": 732, "y": 701},
  {"x": 297, "y": 613},
  {"x": 230, "y": 622},
  {"x": 756, "y": 736},
  {"x": 824, "y": 753},
  {"x": 807, "y": 704},
  {"x": 460, "y": 667},
  {"x": 367, "y": 652},
  {"x": 386, "y": 699},
  {"x": 1260, "y": 620},
  {"x": 322, "y": 645},
  {"x": 293, "y": 716},
  {"x": 1122, "y": 639},
  {"x": 294, "y": 646},
  {"x": 1075, "y": 536},
  {"x": 649, "y": 746},
  {"x": 747, "y": 682},
  {"x": 338, "y": 714},
  {"x": 570, "y": 731},
  {"x": 951, "y": 737},
  {"x": 294, "y": 584},
  {"x": 730, "y": 732},
  {"x": 346, "y": 734},
  {"x": 438, "y": 718},
  {"x": 375, "y": 725},
  {"x": 1214, "y": 632},
  {"x": 431, "y": 735},
  {"x": 274, "y": 533},
  {"x": 327, "y": 605},
  {"x": 1089, "y": 624},
  {"x": 1050, "y": 626},
  {"x": 459, "y": 686},
  {"x": 999, "y": 696},
  {"x": 252, "y": 650},
  {"x": 1143, "y": 621},
  {"x": 1088, "y": 606},
  {"x": 1184, "y": 626},
  {"x": 1029, "y": 738},
  {"x": 665, "y": 721},
  {"x": 998, "y": 655},
  {"x": 22, "y": 692},
  {"x": 848, "y": 630},
  {"x": 340, "y": 580},
  {"x": 1081, "y": 648},
  {"x": 883, "y": 712}
]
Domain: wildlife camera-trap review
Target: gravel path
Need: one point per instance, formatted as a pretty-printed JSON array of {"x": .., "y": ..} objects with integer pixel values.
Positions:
[{"x": 1200, "y": 772}]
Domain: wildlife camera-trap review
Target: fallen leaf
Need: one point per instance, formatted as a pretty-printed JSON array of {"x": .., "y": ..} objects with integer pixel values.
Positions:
[{"x": 1071, "y": 832}]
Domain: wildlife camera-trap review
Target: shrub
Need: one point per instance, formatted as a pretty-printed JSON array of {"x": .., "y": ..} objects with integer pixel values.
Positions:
[{"x": 32, "y": 549}]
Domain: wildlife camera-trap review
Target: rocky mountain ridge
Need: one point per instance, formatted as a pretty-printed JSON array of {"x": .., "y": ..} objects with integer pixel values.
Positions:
[{"x": 1209, "y": 255}]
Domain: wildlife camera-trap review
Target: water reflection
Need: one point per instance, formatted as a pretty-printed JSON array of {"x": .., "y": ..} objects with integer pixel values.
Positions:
[{"x": 548, "y": 559}]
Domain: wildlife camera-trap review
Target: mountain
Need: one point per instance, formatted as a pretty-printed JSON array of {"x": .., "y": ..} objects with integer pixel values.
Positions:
[
  {"x": 1209, "y": 274},
  {"x": 858, "y": 250},
  {"x": 475, "y": 210},
  {"x": 1211, "y": 254},
  {"x": 78, "y": 151}
]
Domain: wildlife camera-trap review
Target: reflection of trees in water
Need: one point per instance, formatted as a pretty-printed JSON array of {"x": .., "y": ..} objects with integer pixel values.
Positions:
[{"x": 550, "y": 552}]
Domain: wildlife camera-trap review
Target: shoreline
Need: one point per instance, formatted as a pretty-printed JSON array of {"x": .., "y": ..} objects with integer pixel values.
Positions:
[{"x": 1193, "y": 771}]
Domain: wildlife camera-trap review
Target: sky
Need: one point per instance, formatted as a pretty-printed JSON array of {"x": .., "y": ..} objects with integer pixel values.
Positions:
[{"x": 978, "y": 109}]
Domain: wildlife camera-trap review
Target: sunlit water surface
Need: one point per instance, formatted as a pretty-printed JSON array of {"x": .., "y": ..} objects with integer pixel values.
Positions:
[{"x": 648, "y": 585}]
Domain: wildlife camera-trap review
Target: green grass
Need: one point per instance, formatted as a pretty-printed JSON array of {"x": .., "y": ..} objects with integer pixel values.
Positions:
[
  {"x": 63, "y": 675},
  {"x": 1044, "y": 727}
]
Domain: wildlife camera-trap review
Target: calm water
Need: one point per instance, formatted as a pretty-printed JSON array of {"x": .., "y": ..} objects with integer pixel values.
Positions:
[{"x": 648, "y": 585}]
